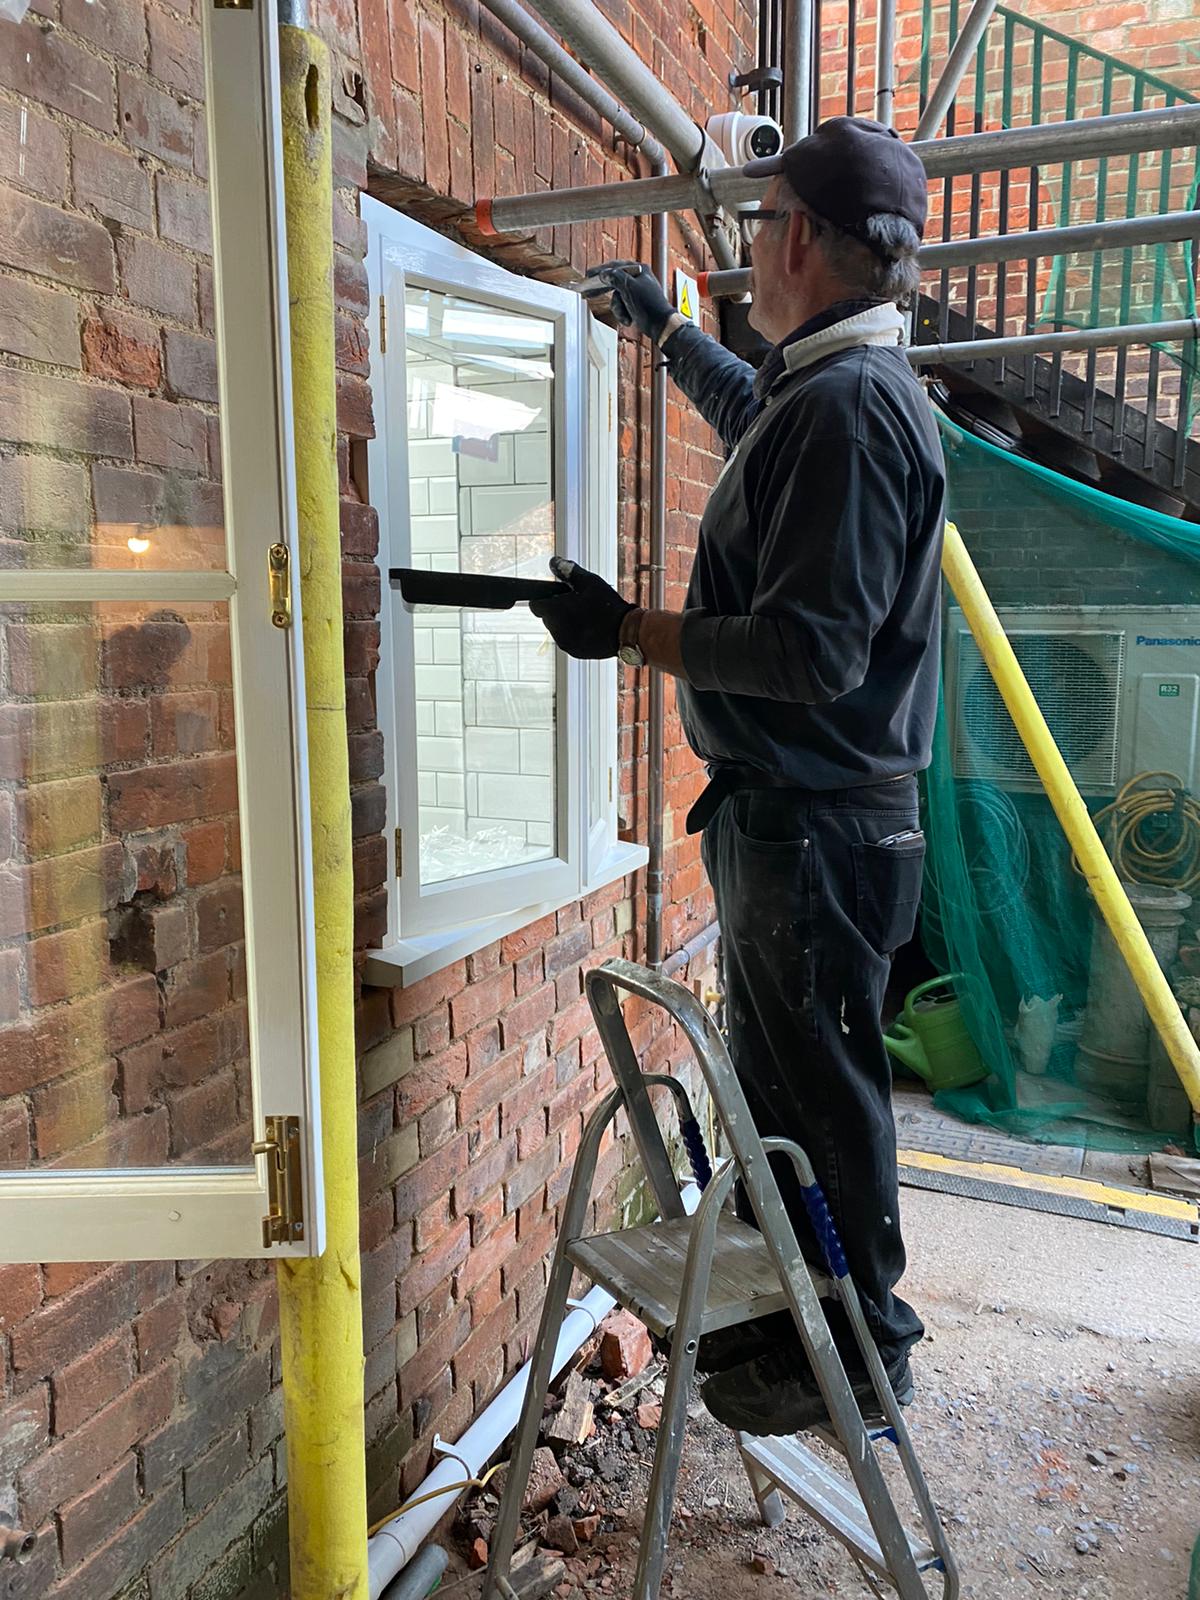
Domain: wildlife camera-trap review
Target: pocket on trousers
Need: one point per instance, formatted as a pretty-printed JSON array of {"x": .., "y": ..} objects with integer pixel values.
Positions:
[
  {"x": 887, "y": 882},
  {"x": 770, "y": 819}
]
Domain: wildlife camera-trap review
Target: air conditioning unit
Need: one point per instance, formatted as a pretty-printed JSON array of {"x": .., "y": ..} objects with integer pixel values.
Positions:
[{"x": 1119, "y": 687}]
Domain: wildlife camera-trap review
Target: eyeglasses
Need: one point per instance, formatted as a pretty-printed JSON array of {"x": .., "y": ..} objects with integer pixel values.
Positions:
[{"x": 749, "y": 222}]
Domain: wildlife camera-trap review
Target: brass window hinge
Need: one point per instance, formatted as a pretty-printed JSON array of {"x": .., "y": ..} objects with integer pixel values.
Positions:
[
  {"x": 399, "y": 852},
  {"x": 382, "y": 326},
  {"x": 284, "y": 1221},
  {"x": 279, "y": 578}
]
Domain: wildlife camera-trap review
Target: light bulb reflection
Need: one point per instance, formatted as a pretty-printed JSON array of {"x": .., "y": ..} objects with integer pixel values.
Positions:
[{"x": 139, "y": 546}]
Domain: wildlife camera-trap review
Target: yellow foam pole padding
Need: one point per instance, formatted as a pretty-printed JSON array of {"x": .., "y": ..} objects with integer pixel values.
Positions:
[
  {"x": 1127, "y": 931},
  {"x": 320, "y": 1300}
]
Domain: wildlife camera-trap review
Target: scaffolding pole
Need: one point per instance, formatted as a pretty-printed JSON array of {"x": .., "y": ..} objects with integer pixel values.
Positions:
[
  {"x": 885, "y": 64},
  {"x": 1032, "y": 344},
  {"x": 1122, "y": 233},
  {"x": 320, "y": 1300},
  {"x": 1053, "y": 143},
  {"x": 797, "y": 69},
  {"x": 1021, "y": 344},
  {"x": 959, "y": 59},
  {"x": 729, "y": 187}
]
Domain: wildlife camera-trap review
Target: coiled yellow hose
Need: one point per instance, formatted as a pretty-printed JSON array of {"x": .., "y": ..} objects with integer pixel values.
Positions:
[{"x": 1168, "y": 855}]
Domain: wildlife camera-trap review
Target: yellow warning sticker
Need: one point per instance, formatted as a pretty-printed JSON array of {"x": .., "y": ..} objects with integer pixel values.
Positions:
[{"x": 687, "y": 299}]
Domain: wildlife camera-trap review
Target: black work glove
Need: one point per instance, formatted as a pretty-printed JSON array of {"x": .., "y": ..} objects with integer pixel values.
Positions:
[
  {"x": 587, "y": 622},
  {"x": 638, "y": 300}
]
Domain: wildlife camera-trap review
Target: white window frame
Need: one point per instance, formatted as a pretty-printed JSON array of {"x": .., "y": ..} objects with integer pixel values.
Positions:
[
  {"x": 430, "y": 926},
  {"x": 192, "y": 1211},
  {"x": 600, "y": 554}
]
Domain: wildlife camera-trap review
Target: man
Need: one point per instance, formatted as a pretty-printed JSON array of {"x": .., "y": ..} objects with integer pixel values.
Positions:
[{"x": 806, "y": 663}]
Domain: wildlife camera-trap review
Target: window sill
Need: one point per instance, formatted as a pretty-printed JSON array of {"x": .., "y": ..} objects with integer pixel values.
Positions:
[{"x": 409, "y": 960}]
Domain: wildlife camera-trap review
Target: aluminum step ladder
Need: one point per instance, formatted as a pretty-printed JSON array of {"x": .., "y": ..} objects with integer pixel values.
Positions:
[{"x": 687, "y": 1275}]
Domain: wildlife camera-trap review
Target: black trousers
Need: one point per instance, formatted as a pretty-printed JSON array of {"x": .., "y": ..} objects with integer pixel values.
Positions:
[{"x": 811, "y": 904}]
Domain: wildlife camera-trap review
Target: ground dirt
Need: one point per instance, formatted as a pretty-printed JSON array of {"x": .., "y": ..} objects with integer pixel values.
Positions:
[{"x": 1057, "y": 1415}]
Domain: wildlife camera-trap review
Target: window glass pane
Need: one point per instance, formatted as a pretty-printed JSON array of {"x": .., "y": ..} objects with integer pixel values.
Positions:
[
  {"x": 123, "y": 1014},
  {"x": 109, "y": 449},
  {"x": 480, "y": 405}
]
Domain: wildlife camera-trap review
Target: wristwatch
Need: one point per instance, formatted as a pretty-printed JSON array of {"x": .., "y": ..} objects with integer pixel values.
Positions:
[{"x": 628, "y": 650}]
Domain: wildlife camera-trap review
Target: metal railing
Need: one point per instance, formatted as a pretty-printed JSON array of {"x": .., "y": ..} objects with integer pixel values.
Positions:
[{"x": 1026, "y": 73}]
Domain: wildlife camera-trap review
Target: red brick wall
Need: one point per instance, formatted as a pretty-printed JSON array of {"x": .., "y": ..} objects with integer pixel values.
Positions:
[
  {"x": 477, "y": 1081},
  {"x": 140, "y": 1409}
]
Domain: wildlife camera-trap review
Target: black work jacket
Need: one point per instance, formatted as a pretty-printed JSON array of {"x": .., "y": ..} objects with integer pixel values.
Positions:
[{"x": 809, "y": 636}]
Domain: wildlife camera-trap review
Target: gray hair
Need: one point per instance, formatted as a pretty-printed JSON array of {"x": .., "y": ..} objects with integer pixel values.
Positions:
[{"x": 879, "y": 264}]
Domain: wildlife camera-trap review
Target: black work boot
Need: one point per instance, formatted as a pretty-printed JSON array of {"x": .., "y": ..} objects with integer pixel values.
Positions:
[
  {"x": 732, "y": 1347},
  {"x": 776, "y": 1393}
]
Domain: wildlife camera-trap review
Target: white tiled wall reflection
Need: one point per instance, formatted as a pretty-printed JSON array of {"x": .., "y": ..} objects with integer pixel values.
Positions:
[{"x": 484, "y": 680}]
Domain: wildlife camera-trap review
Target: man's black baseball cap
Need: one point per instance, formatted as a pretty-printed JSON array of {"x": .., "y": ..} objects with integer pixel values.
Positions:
[{"x": 851, "y": 169}]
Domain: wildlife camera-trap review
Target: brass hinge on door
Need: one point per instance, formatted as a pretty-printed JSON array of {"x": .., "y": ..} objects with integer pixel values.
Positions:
[
  {"x": 382, "y": 326},
  {"x": 284, "y": 1221},
  {"x": 399, "y": 852},
  {"x": 279, "y": 580}
]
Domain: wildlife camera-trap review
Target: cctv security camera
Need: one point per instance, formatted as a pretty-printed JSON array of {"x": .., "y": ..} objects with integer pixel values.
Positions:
[{"x": 741, "y": 138}]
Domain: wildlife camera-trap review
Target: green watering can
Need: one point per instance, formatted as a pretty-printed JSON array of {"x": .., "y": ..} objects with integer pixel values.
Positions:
[{"x": 930, "y": 1038}]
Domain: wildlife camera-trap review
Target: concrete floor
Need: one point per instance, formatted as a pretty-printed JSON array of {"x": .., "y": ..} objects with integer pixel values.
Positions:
[
  {"x": 1057, "y": 1414},
  {"x": 1053, "y": 1338}
]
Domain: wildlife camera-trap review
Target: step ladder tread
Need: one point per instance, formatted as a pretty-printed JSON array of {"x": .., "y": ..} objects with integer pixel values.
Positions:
[
  {"x": 829, "y": 1497},
  {"x": 643, "y": 1269}
]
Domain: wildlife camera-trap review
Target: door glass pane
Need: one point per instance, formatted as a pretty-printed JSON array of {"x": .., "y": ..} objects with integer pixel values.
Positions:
[
  {"x": 109, "y": 449},
  {"x": 480, "y": 408},
  {"x": 123, "y": 1015}
]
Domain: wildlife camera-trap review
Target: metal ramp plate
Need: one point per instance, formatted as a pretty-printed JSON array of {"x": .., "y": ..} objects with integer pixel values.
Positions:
[
  {"x": 643, "y": 1269},
  {"x": 825, "y": 1494}
]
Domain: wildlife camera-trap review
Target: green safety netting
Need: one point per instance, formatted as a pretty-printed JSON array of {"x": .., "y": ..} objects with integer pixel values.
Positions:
[{"x": 1101, "y": 599}]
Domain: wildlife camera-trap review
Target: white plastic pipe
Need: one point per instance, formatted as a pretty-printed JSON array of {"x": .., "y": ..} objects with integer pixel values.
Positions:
[
  {"x": 398, "y": 1541},
  {"x": 389, "y": 1550}
]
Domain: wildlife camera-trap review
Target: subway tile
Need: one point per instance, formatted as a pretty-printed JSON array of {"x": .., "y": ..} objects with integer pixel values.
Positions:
[{"x": 493, "y": 750}]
